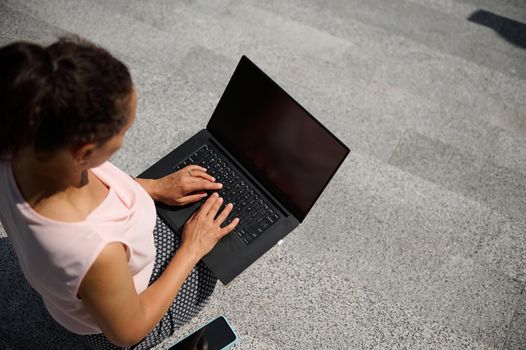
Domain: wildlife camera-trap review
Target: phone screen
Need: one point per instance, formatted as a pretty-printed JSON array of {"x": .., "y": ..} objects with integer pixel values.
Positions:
[{"x": 213, "y": 336}]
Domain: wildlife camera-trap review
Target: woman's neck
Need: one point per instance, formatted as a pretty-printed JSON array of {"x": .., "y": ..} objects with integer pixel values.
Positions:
[{"x": 39, "y": 179}]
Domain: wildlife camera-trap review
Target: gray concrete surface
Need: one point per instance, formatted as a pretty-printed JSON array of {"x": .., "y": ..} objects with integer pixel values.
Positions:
[{"x": 419, "y": 241}]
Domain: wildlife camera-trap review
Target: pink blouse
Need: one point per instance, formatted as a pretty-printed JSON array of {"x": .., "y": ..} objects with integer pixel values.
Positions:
[{"x": 55, "y": 255}]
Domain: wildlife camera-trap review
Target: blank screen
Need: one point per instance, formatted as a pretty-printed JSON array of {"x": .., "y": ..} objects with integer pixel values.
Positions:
[{"x": 276, "y": 139}]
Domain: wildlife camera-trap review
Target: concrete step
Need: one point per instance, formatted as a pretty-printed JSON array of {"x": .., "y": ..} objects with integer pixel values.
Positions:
[
  {"x": 419, "y": 245},
  {"x": 499, "y": 188},
  {"x": 425, "y": 70},
  {"x": 496, "y": 187},
  {"x": 452, "y": 123},
  {"x": 16, "y": 26},
  {"x": 440, "y": 31},
  {"x": 504, "y": 247},
  {"x": 232, "y": 34},
  {"x": 149, "y": 46},
  {"x": 516, "y": 339},
  {"x": 219, "y": 30}
]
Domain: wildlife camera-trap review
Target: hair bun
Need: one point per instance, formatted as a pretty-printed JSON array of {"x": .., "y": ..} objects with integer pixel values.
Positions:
[
  {"x": 25, "y": 69},
  {"x": 67, "y": 93}
]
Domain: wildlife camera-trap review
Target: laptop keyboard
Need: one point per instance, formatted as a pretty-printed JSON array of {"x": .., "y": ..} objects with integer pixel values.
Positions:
[{"x": 254, "y": 212}]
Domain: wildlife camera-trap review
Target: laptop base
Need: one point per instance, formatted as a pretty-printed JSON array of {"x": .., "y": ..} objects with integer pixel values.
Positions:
[{"x": 231, "y": 255}]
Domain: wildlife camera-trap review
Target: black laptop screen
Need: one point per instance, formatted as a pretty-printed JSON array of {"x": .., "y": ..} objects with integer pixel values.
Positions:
[{"x": 276, "y": 139}]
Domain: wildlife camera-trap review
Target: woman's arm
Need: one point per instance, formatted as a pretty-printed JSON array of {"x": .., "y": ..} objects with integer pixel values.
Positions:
[
  {"x": 149, "y": 186},
  {"x": 108, "y": 291},
  {"x": 109, "y": 294}
]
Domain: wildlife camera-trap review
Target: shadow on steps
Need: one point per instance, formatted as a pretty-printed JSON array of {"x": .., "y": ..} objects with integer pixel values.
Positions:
[
  {"x": 24, "y": 320},
  {"x": 512, "y": 31}
]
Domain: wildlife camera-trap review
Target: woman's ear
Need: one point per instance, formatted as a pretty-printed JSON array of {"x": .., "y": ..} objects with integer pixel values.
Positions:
[{"x": 83, "y": 154}]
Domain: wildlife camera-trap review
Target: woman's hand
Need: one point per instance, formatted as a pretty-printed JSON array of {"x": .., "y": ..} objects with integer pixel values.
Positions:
[
  {"x": 203, "y": 230},
  {"x": 185, "y": 186}
]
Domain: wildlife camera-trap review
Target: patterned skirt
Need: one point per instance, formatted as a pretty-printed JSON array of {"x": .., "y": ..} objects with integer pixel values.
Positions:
[{"x": 191, "y": 299}]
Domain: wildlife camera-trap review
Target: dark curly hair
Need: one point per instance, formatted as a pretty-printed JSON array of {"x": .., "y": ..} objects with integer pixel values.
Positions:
[{"x": 68, "y": 93}]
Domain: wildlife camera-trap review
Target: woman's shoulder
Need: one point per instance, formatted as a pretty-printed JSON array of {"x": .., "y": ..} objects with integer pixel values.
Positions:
[{"x": 109, "y": 169}]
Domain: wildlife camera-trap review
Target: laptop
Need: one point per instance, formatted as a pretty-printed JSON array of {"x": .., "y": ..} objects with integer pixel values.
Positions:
[{"x": 273, "y": 158}]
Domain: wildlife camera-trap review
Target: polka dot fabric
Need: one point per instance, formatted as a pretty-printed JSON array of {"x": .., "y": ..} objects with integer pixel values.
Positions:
[{"x": 191, "y": 299}]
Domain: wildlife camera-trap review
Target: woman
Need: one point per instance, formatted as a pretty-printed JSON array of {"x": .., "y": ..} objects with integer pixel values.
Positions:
[{"x": 86, "y": 234}]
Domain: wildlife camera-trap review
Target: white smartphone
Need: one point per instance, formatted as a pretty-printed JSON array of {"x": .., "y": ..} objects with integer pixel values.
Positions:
[{"x": 217, "y": 334}]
